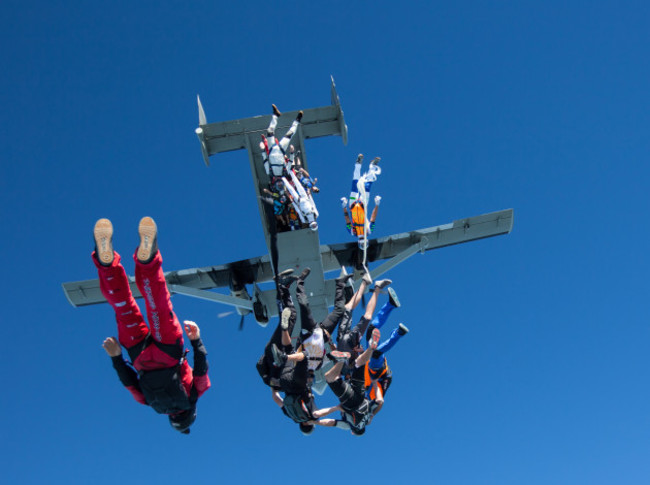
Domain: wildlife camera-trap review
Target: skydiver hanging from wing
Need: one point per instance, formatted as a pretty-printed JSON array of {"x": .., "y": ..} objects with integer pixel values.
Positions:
[
  {"x": 160, "y": 375},
  {"x": 356, "y": 221}
]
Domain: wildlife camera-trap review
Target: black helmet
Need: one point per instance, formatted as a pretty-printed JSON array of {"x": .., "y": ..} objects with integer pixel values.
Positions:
[
  {"x": 182, "y": 421},
  {"x": 306, "y": 429}
]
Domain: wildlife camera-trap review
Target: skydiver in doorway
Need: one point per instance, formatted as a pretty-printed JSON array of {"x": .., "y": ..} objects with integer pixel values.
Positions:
[
  {"x": 160, "y": 375},
  {"x": 274, "y": 152},
  {"x": 303, "y": 176}
]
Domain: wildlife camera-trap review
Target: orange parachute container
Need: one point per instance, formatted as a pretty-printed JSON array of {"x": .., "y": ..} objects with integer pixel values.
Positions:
[{"x": 358, "y": 213}]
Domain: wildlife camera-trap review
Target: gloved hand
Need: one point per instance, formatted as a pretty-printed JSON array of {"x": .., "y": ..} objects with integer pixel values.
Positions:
[
  {"x": 377, "y": 199},
  {"x": 262, "y": 146},
  {"x": 344, "y": 202}
]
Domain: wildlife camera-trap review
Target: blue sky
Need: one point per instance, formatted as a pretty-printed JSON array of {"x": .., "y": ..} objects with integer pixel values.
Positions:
[{"x": 527, "y": 360}]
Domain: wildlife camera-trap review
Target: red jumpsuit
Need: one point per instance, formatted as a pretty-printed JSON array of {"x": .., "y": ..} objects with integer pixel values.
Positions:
[{"x": 165, "y": 327}]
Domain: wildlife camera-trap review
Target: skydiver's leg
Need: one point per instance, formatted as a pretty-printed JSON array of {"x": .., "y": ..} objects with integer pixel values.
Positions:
[
  {"x": 270, "y": 131},
  {"x": 306, "y": 319},
  {"x": 165, "y": 327},
  {"x": 330, "y": 322},
  {"x": 341, "y": 389},
  {"x": 114, "y": 285},
  {"x": 354, "y": 191},
  {"x": 377, "y": 359},
  {"x": 353, "y": 338},
  {"x": 381, "y": 316},
  {"x": 294, "y": 379},
  {"x": 356, "y": 298},
  {"x": 286, "y": 139}
]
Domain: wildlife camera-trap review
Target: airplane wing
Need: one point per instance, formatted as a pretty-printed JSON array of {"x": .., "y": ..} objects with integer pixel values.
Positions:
[
  {"x": 394, "y": 249},
  {"x": 247, "y": 271},
  {"x": 398, "y": 247}
]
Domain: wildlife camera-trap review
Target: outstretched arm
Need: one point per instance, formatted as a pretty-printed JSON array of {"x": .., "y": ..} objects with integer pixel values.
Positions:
[
  {"x": 322, "y": 412},
  {"x": 379, "y": 397},
  {"x": 336, "y": 423},
  {"x": 277, "y": 399},
  {"x": 200, "y": 371},
  {"x": 127, "y": 375}
]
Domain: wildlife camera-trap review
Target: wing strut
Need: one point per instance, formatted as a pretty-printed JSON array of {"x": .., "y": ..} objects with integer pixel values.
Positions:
[{"x": 212, "y": 296}]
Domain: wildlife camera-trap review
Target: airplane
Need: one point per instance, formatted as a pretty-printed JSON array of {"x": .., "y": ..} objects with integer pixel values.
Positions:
[{"x": 296, "y": 249}]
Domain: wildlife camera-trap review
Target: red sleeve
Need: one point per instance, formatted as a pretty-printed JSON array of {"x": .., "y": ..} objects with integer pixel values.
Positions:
[
  {"x": 137, "y": 395},
  {"x": 201, "y": 384}
]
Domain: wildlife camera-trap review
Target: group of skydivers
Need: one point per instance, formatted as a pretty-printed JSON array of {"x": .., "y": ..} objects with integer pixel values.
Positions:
[
  {"x": 291, "y": 188},
  {"x": 159, "y": 375}
]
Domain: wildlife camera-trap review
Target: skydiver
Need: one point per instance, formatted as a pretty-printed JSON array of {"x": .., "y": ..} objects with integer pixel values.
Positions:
[
  {"x": 349, "y": 339},
  {"x": 305, "y": 179},
  {"x": 279, "y": 202},
  {"x": 314, "y": 336},
  {"x": 356, "y": 221},
  {"x": 302, "y": 201},
  {"x": 281, "y": 337},
  {"x": 298, "y": 402},
  {"x": 274, "y": 151},
  {"x": 356, "y": 412},
  {"x": 160, "y": 375},
  {"x": 378, "y": 375},
  {"x": 295, "y": 379}
]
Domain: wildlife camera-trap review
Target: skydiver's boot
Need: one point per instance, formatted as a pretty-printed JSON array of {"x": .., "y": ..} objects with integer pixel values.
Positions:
[
  {"x": 392, "y": 298},
  {"x": 375, "y": 161},
  {"x": 284, "y": 322},
  {"x": 381, "y": 284},
  {"x": 299, "y": 117},
  {"x": 276, "y": 111},
  {"x": 304, "y": 274},
  {"x": 103, "y": 235},
  {"x": 402, "y": 329},
  {"x": 343, "y": 278},
  {"x": 285, "y": 278},
  {"x": 148, "y": 240},
  {"x": 338, "y": 356},
  {"x": 367, "y": 278},
  {"x": 359, "y": 158}
]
